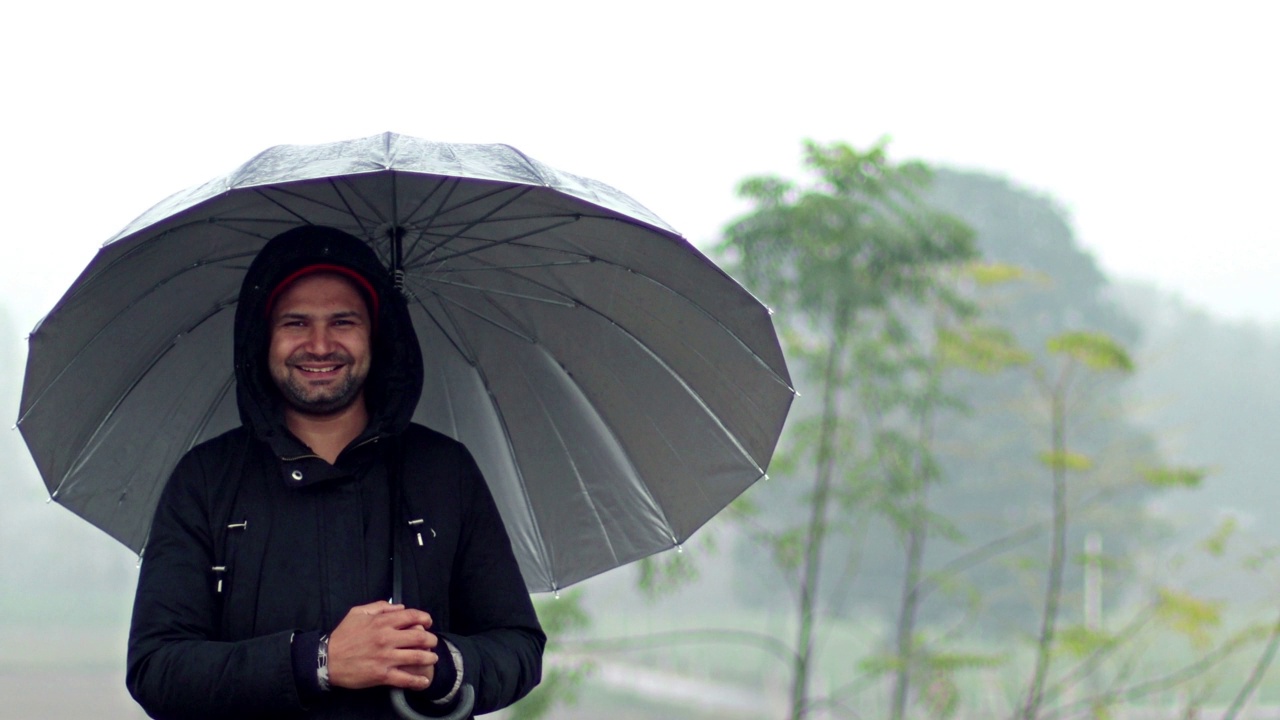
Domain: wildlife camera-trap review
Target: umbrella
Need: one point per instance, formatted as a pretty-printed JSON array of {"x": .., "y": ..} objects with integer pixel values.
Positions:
[{"x": 616, "y": 387}]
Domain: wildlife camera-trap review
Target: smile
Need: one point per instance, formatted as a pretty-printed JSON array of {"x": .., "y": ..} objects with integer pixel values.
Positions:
[{"x": 318, "y": 370}]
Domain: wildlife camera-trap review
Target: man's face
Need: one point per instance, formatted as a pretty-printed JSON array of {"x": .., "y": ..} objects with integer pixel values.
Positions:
[{"x": 319, "y": 355}]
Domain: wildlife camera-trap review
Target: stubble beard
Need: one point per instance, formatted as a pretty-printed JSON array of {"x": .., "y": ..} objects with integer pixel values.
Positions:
[{"x": 324, "y": 399}]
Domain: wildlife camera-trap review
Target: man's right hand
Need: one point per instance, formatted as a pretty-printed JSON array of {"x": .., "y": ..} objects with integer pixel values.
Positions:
[{"x": 374, "y": 642}]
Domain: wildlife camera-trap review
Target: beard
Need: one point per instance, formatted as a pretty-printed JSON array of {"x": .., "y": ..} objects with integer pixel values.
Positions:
[{"x": 319, "y": 399}]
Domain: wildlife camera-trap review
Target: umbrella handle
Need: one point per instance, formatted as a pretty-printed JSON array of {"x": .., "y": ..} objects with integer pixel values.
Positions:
[{"x": 466, "y": 701}]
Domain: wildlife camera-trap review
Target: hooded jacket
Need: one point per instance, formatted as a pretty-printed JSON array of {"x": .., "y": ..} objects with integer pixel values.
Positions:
[{"x": 258, "y": 546}]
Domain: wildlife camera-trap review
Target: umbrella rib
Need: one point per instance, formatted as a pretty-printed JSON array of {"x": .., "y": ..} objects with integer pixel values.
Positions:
[
  {"x": 612, "y": 432},
  {"x": 577, "y": 474},
  {"x": 337, "y": 189},
  {"x": 192, "y": 438},
  {"x": 688, "y": 389},
  {"x": 709, "y": 315},
  {"x": 504, "y": 293},
  {"x": 444, "y": 208},
  {"x": 85, "y": 283},
  {"x": 80, "y": 458},
  {"x": 692, "y": 393},
  {"x": 527, "y": 266},
  {"x": 545, "y": 556},
  {"x": 751, "y": 351},
  {"x": 427, "y": 198},
  {"x": 313, "y": 201},
  {"x": 691, "y": 303},
  {"x": 520, "y": 192},
  {"x": 578, "y": 258},
  {"x": 523, "y": 336},
  {"x": 262, "y": 192},
  {"x": 134, "y": 302},
  {"x": 420, "y": 236},
  {"x": 471, "y": 360},
  {"x": 491, "y": 244}
]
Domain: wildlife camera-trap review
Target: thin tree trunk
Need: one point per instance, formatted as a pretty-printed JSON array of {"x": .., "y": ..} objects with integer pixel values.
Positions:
[
  {"x": 817, "y": 529},
  {"x": 1057, "y": 558},
  {"x": 1255, "y": 677},
  {"x": 917, "y": 537}
]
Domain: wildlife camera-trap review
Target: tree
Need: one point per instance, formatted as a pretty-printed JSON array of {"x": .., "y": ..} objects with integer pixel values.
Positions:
[
  {"x": 1079, "y": 351},
  {"x": 846, "y": 259}
]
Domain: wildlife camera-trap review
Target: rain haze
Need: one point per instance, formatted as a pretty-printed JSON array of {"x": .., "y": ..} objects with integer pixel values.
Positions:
[{"x": 1151, "y": 126}]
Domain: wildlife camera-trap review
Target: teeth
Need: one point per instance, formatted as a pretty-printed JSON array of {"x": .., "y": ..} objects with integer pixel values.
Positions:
[{"x": 319, "y": 370}]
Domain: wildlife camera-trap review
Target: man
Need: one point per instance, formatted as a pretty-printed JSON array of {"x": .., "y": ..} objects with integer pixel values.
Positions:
[{"x": 264, "y": 585}]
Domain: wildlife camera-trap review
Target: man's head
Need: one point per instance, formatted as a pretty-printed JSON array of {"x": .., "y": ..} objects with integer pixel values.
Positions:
[
  {"x": 320, "y": 351},
  {"x": 327, "y": 282}
]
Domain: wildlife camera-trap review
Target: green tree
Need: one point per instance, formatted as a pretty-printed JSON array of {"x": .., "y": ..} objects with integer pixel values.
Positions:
[
  {"x": 562, "y": 617},
  {"x": 1078, "y": 352},
  {"x": 848, "y": 259},
  {"x": 954, "y": 338}
]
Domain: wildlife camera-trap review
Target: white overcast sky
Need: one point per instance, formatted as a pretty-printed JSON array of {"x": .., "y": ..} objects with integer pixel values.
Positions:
[{"x": 1154, "y": 124}]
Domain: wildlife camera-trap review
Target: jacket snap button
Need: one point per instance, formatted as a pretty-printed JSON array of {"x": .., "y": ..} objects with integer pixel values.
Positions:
[{"x": 296, "y": 475}]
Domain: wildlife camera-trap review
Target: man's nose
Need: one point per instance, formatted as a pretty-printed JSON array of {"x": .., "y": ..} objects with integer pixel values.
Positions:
[{"x": 320, "y": 340}]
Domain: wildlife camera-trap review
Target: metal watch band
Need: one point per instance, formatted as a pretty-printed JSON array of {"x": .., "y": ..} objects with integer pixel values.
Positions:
[
  {"x": 457, "y": 678},
  {"x": 322, "y": 662}
]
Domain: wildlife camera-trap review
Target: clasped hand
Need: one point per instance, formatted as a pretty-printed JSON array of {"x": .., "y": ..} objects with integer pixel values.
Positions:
[{"x": 383, "y": 644}]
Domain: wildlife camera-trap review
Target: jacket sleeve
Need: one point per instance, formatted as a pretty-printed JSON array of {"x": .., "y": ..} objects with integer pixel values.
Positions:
[
  {"x": 494, "y": 624},
  {"x": 176, "y": 667}
]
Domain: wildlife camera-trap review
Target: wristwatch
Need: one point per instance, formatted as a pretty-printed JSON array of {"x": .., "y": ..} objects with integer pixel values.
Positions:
[
  {"x": 457, "y": 676},
  {"x": 322, "y": 662}
]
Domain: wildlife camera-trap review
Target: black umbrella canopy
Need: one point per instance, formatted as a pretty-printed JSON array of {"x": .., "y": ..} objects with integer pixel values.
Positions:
[{"x": 616, "y": 387}]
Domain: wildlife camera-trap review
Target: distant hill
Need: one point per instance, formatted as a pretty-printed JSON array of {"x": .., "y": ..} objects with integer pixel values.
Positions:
[{"x": 1209, "y": 389}]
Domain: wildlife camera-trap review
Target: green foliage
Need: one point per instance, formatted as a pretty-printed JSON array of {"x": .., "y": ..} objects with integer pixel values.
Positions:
[
  {"x": 981, "y": 349},
  {"x": 560, "y": 616},
  {"x": 857, "y": 238},
  {"x": 1174, "y": 477},
  {"x": 664, "y": 573},
  {"x": 1216, "y": 543},
  {"x": 1260, "y": 559},
  {"x": 1080, "y": 641},
  {"x": 559, "y": 686},
  {"x": 1066, "y": 460},
  {"x": 1188, "y": 615},
  {"x": 1095, "y": 350},
  {"x": 788, "y": 548},
  {"x": 994, "y": 273}
]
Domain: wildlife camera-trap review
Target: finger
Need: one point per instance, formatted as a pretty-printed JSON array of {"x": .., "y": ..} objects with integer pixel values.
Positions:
[
  {"x": 397, "y": 677},
  {"x": 412, "y": 639},
  {"x": 404, "y": 618},
  {"x": 414, "y": 659},
  {"x": 375, "y": 608}
]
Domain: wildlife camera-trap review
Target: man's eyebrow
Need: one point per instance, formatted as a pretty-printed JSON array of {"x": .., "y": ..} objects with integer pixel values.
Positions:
[{"x": 298, "y": 314}]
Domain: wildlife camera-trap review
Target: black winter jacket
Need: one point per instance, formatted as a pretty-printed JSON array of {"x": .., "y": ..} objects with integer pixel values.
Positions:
[{"x": 258, "y": 546}]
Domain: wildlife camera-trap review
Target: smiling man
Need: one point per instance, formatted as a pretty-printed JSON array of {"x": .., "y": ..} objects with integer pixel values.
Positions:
[
  {"x": 274, "y": 548},
  {"x": 319, "y": 355}
]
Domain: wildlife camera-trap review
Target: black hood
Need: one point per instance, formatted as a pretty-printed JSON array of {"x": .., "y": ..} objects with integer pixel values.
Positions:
[{"x": 395, "y": 375}]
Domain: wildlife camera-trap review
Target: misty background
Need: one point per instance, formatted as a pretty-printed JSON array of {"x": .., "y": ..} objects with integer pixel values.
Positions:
[{"x": 1122, "y": 150}]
